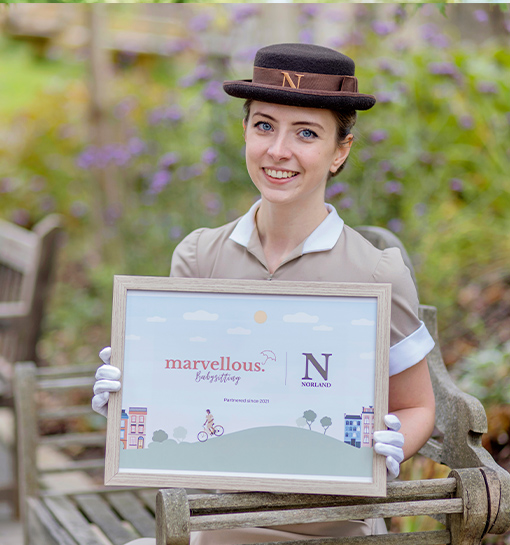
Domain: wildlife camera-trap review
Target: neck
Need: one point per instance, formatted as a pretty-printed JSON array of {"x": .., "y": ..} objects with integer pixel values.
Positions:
[{"x": 282, "y": 228}]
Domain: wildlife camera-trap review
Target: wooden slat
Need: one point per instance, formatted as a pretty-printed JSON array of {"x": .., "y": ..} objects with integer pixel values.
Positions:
[
  {"x": 131, "y": 508},
  {"x": 62, "y": 371},
  {"x": 41, "y": 523},
  {"x": 67, "y": 412},
  {"x": 66, "y": 383},
  {"x": 436, "y": 537},
  {"x": 88, "y": 439},
  {"x": 326, "y": 514},
  {"x": 228, "y": 502},
  {"x": 99, "y": 512},
  {"x": 72, "y": 520},
  {"x": 149, "y": 499},
  {"x": 79, "y": 465}
]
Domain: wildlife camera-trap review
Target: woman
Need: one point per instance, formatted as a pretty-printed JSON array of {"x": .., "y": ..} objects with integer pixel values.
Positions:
[{"x": 301, "y": 106}]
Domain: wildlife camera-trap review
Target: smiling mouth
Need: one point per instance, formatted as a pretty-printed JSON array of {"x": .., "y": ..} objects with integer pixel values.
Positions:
[{"x": 280, "y": 174}]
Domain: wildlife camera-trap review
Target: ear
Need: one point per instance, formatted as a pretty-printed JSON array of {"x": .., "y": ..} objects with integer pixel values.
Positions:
[{"x": 342, "y": 152}]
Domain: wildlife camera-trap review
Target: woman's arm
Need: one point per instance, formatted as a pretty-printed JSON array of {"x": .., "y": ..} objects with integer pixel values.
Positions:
[{"x": 411, "y": 398}]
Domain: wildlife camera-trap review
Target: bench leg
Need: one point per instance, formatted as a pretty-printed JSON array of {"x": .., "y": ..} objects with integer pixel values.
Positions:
[
  {"x": 468, "y": 527},
  {"x": 172, "y": 517}
]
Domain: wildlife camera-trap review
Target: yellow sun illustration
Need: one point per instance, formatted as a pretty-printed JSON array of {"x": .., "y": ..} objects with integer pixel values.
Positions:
[{"x": 260, "y": 317}]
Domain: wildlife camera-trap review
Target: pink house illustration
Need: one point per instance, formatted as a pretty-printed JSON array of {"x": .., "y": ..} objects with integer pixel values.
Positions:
[
  {"x": 367, "y": 427},
  {"x": 133, "y": 427}
]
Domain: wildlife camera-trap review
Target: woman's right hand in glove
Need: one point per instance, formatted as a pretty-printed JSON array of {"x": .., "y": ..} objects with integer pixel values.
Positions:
[{"x": 107, "y": 380}]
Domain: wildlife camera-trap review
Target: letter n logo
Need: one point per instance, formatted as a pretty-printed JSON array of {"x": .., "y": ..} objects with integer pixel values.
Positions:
[
  {"x": 288, "y": 79},
  {"x": 322, "y": 370}
]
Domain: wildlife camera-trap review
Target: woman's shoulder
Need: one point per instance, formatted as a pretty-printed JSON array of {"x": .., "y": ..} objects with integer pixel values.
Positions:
[
  {"x": 199, "y": 248},
  {"x": 384, "y": 265}
]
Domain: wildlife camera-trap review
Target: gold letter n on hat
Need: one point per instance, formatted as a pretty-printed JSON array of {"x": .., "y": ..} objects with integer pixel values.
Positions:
[{"x": 288, "y": 79}]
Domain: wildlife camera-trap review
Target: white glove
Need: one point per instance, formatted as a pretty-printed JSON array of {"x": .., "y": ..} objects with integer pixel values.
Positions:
[
  {"x": 107, "y": 380},
  {"x": 389, "y": 443}
]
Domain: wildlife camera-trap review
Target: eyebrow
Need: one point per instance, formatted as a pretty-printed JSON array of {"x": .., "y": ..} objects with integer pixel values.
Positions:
[{"x": 309, "y": 123}]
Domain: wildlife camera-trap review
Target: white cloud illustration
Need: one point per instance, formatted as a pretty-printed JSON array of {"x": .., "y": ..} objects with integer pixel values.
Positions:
[
  {"x": 201, "y": 316},
  {"x": 363, "y": 321},
  {"x": 198, "y": 339},
  {"x": 239, "y": 331},
  {"x": 322, "y": 328},
  {"x": 301, "y": 318},
  {"x": 156, "y": 319},
  {"x": 367, "y": 356},
  {"x": 132, "y": 338}
]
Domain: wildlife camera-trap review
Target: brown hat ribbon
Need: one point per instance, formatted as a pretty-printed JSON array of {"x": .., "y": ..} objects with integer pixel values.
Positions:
[{"x": 304, "y": 80}]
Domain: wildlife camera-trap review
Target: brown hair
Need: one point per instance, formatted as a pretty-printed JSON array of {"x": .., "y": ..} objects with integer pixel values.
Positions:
[{"x": 345, "y": 121}]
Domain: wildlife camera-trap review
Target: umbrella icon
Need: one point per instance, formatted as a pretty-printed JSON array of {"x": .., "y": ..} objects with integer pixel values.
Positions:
[{"x": 269, "y": 354}]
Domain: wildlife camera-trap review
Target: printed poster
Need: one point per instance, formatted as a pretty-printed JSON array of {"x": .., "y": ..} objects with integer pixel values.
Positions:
[{"x": 229, "y": 384}]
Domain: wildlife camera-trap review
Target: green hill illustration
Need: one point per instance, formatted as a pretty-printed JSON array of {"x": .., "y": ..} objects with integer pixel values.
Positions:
[{"x": 275, "y": 449}]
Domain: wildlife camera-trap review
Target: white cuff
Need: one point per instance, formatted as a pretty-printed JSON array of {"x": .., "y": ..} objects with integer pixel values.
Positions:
[{"x": 411, "y": 350}]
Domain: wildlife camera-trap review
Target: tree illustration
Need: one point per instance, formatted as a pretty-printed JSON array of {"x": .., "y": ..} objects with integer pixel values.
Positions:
[
  {"x": 180, "y": 433},
  {"x": 301, "y": 422},
  {"x": 310, "y": 417},
  {"x": 159, "y": 436},
  {"x": 326, "y": 423}
]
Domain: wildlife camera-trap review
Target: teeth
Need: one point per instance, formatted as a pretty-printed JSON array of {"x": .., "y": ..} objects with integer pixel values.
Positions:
[{"x": 279, "y": 173}]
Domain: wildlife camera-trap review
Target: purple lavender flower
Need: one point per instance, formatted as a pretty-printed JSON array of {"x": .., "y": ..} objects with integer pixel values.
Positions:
[
  {"x": 378, "y": 135},
  {"x": 159, "y": 181},
  {"x": 310, "y": 10},
  {"x": 335, "y": 189},
  {"x": 213, "y": 203},
  {"x": 175, "y": 232},
  {"x": 487, "y": 87},
  {"x": 203, "y": 72},
  {"x": 113, "y": 213},
  {"x": 306, "y": 36},
  {"x": 21, "y": 217},
  {"x": 393, "y": 187},
  {"x": 213, "y": 91},
  {"x": 247, "y": 54},
  {"x": 395, "y": 225},
  {"x": 188, "y": 80},
  {"x": 241, "y": 12},
  {"x": 195, "y": 170},
  {"x": 47, "y": 204},
  {"x": 224, "y": 174},
  {"x": 218, "y": 137},
  {"x": 38, "y": 183},
  {"x": 466, "y": 122},
  {"x": 384, "y": 97},
  {"x": 168, "y": 160},
  {"x": 365, "y": 155},
  {"x": 6, "y": 185},
  {"x": 443, "y": 69},
  {"x": 346, "y": 203},
  {"x": 481, "y": 16},
  {"x": 136, "y": 146},
  {"x": 78, "y": 209},
  {"x": 124, "y": 107},
  {"x": 165, "y": 113},
  {"x": 385, "y": 166},
  {"x": 209, "y": 156},
  {"x": 200, "y": 23},
  {"x": 383, "y": 28},
  {"x": 456, "y": 184}
]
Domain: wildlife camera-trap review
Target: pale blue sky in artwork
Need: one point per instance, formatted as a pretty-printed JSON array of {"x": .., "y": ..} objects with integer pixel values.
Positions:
[{"x": 241, "y": 333}]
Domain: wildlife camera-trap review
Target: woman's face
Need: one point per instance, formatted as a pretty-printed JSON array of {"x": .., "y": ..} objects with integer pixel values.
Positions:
[{"x": 290, "y": 151}]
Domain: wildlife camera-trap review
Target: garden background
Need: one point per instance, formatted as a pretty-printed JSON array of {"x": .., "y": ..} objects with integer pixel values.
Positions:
[{"x": 114, "y": 117}]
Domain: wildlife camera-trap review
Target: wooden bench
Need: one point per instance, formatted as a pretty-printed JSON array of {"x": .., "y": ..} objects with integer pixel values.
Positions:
[
  {"x": 26, "y": 264},
  {"x": 472, "y": 501}
]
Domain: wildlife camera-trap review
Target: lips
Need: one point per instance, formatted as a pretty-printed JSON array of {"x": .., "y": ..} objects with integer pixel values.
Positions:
[{"x": 280, "y": 174}]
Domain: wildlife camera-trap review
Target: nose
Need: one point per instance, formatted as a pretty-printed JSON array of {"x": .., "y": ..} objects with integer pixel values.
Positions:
[{"x": 279, "y": 149}]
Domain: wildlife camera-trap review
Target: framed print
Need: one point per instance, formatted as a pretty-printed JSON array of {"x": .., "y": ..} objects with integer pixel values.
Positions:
[{"x": 249, "y": 385}]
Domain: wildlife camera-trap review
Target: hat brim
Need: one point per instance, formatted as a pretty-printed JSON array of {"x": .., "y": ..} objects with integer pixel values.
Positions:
[{"x": 330, "y": 100}]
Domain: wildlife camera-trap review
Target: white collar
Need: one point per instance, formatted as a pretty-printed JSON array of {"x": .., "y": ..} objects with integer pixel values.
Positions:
[{"x": 324, "y": 237}]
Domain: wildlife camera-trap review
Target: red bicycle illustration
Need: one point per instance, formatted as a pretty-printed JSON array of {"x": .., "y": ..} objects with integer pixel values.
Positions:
[{"x": 204, "y": 434}]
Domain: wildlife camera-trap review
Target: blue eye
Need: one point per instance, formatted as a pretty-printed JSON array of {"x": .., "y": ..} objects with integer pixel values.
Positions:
[
  {"x": 264, "y": 126},
  {"x": 307, "y": 133}
]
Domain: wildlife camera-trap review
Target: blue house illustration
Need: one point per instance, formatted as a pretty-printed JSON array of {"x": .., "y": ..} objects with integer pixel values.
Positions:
[{"x": 359, "y": 428}]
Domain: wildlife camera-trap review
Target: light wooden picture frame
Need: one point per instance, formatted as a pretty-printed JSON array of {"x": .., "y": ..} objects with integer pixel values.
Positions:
[{"x": 249, "y": 385}]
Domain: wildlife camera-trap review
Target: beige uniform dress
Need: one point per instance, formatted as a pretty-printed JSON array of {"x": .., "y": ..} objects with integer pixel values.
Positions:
[{"x": 332, "y": 253}]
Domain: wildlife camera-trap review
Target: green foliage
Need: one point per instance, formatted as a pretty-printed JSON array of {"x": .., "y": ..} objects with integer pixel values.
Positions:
[
  {"x": 484, "y": 374},
  {"x": 430, "y": 160}
]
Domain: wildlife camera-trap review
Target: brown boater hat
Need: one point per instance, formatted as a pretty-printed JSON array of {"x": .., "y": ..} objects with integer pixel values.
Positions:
[{"x": 304, "y": 75}]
